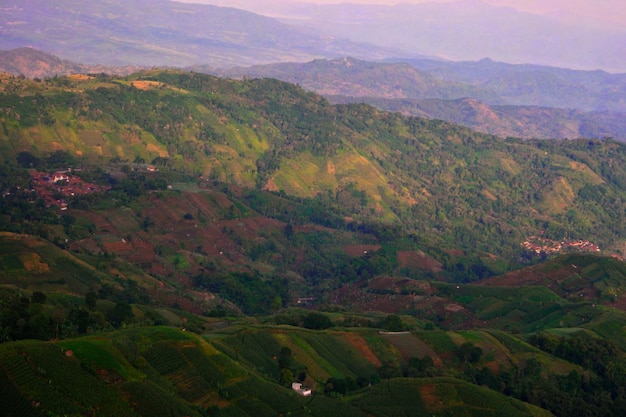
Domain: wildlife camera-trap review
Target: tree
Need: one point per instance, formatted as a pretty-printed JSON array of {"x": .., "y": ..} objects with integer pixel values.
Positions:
[
  {"x": 277, "y": 304},
  {"x": 90, "y": 300},
  {"x": 393, "y": 323},
  {"x": 284, "y": 358},
  {"x": 286, "y": 377},
  {"x": 336, "y": 386},
  {"x": 288, "y": 230},
  {"x": 468, "y": 353},
  {"x": 122, "y": 312},
  {"x": 38, "y": 298},
  {"x": 317, "y": 321}
]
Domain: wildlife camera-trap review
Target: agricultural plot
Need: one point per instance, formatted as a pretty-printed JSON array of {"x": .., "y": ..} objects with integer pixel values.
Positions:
[
  {"x": 304, "y": 354},
  {"x": 42, "y": 374},
  {"x": 322, "y": 406},
  {"x": 11, "y": 263},
  {"x": 386, "y": 352},
  {"x": 360, "y": 344},
  {"x": 216, "y": 368},
  {"x": 13, "y": 402},
  {"x": 266, "y": 395},
  {"x": 439, "y": 340},
  {"x": 343, "y": 356},
  {"x": 411, "y": 346},
  {"x": 256, "y": 349},
  {"x": 100, "y": 355},
  {"x": 495, "y": 354},
  {"x": 440, "y": 396}
]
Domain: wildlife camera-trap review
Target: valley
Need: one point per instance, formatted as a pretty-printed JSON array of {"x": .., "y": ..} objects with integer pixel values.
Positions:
[
  {"x": 286, "y": 209},
  {"x": 220, "y": 238}
]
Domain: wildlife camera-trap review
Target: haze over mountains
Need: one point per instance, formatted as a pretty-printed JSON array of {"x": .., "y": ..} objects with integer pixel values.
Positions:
[
  {"x": 163, "y": 32},
  {"x": 468, "y": 29}
]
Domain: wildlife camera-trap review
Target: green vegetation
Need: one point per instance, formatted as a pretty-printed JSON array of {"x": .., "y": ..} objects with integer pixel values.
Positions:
[{"x": 241, "y": 236}]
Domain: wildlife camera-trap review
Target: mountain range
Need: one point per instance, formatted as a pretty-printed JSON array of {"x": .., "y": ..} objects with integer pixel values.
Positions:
[
  {"x": 174, "y": 242},
  {"x": 502, "y": 99},
  {"x": 470, "y": 30},
  {"x": 400, "y": 87},
  {"x": 163, "y": 33}
]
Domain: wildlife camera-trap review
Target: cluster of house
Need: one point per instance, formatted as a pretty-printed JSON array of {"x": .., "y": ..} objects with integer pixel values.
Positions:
[
  {"x": 56, "y": 188},
  {"x": 547, "y": 246}
]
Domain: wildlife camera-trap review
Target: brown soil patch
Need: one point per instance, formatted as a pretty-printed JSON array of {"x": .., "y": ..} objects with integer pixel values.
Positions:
[
  {"x": 116, "y": 247},
  {"x": 361, "y": 345},
  {"x": 146, "y": 85},
  {"x": 418, "y": 260},
  {"x": 80, "y": 77},
  {"x": 489, "y": 195},
  {"x": 270, "y": 185},
  {"x": 428, "y": 393},
  {"x": 32, "y": 262},
  {"x": 453, "y": 307}
]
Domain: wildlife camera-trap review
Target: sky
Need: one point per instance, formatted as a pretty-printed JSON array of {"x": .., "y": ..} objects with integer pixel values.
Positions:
[{"x": 602, "y": 11}]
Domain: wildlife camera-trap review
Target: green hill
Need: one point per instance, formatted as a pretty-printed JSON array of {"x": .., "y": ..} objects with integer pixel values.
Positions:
[
  {"x": 226, "y": 210},
  {"x": 162, "y": 371},
  {"x": 453, "y": 187}
]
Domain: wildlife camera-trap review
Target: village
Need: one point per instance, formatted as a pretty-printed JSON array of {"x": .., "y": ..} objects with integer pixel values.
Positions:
[
  {"x": 57, "y": 188},
  {"x": 550, "y": 247}
]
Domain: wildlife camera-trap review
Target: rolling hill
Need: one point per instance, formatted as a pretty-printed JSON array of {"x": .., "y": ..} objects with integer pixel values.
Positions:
[{"x": 163, "y": 371}]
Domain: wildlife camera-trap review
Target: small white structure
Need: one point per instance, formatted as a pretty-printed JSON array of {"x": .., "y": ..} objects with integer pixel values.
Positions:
[{"x": 297, "y": 387}]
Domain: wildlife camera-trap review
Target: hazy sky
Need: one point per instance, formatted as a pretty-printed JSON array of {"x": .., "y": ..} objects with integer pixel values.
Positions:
[{"x": 609, "y": 11}]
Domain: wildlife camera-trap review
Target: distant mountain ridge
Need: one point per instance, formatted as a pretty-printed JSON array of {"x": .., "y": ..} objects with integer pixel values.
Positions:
[
  {"x": 533, "y": 85},
  {"x": 527, "y": 122},
  {"x": 471, "y": 30},
  {"x": 163, "y": 33},
  {"x": 502, "y": 99}
]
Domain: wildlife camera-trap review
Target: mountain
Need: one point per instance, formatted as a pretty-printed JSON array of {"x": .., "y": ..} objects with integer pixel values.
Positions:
[
  {"x": 494, "y": 83},
  {"x": 534, "y": 85},
  {"x": 163, "y": 33},
  {"x": 471, "y": 30},
  {"x": 451, "y": 186},
  {"x": 466, "y": 93},
  {"x": 357, "y": 78},
  {"x": 388, "y": 86},
  {"x": 528, "y": 122},
  {"x": 33, "y": 63}
]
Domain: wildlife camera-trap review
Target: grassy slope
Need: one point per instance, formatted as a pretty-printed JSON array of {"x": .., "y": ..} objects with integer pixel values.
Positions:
[{"x": 122, "y": 371}]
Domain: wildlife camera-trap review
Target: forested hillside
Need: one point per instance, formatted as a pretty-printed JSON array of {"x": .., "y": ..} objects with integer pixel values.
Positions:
[
  {"x": 168, "y": 235},
  {"x": 446, "y": 184}
]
